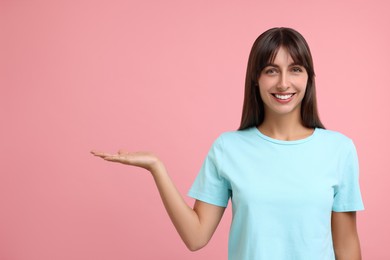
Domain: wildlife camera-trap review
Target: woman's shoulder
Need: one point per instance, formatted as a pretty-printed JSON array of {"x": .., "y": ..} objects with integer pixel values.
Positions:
[
  {"x": 237, "y": 134},
  {"x": 236, "y": 138},
  {"x": 327, "y": 135}
]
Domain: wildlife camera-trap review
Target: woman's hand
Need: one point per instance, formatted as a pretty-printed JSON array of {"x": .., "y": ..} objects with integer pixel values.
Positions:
[
  {"x": 144, "y": 160},
  {"x": 195, "y": 227}
]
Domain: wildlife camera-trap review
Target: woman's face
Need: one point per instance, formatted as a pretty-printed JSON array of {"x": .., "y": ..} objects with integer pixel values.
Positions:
[{"x": 282, "y": 86}]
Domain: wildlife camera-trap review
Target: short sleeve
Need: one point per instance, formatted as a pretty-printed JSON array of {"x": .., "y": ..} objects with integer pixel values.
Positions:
[
  {"x": 347, "y": 196},
  {"x": 209, "y": 186}
]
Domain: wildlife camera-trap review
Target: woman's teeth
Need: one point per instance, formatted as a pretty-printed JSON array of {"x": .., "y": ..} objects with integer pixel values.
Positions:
[{"x": 283, "y": 96}]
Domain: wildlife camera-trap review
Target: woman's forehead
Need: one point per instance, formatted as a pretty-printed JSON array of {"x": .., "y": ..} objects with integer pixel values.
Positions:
[{"x": 283, "y": 53}]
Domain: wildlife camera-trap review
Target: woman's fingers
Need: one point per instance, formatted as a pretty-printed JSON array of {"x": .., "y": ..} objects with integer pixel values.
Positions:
[
  {"x": 121, "y": 156},
  {"x": 115, "y": 158},
  {"x": 105, "y": 156},
  {"x": 98, "y": 153}
]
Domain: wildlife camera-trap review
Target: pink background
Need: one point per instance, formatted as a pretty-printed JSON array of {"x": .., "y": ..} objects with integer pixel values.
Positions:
[{"x": 165, "y": 76}]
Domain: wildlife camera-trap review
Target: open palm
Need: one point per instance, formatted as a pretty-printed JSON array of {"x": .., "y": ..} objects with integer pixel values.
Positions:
[{"x": 145, "y": 160}]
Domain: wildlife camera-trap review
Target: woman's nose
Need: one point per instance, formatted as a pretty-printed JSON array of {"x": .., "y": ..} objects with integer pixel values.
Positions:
[{"x": 284, "y": 82}]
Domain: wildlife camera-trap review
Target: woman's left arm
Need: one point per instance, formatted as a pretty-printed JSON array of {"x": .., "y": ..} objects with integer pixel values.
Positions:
[{"x": 345, "y": 236}]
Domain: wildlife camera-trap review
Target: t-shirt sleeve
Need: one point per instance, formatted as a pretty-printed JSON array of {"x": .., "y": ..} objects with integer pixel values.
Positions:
[
  {"x": 347, "y": 196},
  {"x": 210, "y": 186}
]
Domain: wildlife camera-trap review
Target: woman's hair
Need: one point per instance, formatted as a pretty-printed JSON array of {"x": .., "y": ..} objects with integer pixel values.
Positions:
[{"x": 263, "y": 52}]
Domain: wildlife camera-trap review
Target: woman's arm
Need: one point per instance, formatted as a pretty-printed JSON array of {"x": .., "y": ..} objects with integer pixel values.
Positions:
[
  {"x": 195, "y": 226},
  {"x": 345, "y": 236}
]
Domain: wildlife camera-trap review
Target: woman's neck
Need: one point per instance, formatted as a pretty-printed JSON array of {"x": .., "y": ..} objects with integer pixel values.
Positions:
[{"x": 285, "y": 128}]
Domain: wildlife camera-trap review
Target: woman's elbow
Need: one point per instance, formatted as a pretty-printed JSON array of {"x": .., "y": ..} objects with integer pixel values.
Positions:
[{"x": 195, "y": 245}]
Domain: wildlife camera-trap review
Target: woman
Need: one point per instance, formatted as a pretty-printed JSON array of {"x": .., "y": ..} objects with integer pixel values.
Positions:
[{"x": 293, "y": 185}]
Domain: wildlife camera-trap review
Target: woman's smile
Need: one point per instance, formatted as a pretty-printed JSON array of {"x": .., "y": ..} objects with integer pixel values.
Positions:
[{"x": 283, "y": 98}]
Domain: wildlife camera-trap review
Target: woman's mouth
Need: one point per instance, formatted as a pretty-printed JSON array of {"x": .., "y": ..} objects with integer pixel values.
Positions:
[{"x": 283, "y": 97}]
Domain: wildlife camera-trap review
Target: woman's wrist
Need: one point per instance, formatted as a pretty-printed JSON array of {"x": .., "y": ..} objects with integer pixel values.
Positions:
[{"x": 157, "y": 168}]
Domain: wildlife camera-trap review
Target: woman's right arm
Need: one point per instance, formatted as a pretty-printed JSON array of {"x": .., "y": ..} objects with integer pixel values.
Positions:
[{"x": 195, "y": 225}]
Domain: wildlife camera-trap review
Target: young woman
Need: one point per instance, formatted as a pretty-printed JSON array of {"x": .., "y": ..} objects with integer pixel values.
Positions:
[{"x": 293, "y": 185}]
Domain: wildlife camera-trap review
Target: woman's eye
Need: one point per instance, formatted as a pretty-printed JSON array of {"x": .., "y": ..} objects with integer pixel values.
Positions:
[
  {"x": 270, "y": 71},
  {"x": 297, "y": 69}
]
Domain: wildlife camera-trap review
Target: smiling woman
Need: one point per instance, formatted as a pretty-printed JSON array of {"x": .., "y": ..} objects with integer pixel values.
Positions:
[{"x": 293, "y": 185}]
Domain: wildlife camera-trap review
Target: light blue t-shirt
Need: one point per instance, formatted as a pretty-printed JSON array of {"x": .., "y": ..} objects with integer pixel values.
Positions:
[{"x": 282, "y": 192}]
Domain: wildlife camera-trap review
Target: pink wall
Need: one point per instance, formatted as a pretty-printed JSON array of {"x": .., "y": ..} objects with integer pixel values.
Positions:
[{"x": 166, "y": 77}]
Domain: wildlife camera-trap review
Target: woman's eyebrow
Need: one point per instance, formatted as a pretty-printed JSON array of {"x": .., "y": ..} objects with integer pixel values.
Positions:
[{"x": 277, "y": 66}]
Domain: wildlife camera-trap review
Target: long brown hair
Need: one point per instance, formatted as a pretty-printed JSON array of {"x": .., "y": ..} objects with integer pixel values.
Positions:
[{"x": 263, "y": 52}]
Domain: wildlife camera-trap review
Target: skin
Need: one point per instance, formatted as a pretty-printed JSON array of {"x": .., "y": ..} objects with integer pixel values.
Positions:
[
  {"x": 282, "y": 121},
  {"x": 346, "y": 243}
]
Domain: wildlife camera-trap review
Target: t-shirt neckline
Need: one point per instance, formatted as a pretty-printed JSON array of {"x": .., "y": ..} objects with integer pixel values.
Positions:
[{"x": 283, "y": 142}]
